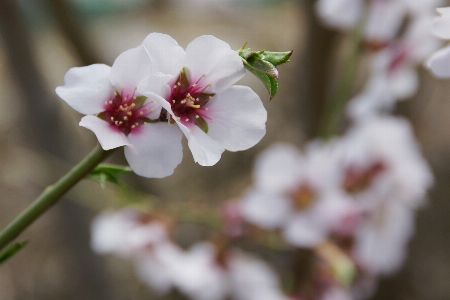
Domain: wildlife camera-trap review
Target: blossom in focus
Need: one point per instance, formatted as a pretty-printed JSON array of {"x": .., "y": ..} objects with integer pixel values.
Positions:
[
  {"x": 119, "y": 115},
  {"x": 297, "y": 193},
  {"x": 439, "y": 62},
  {"x": 195, "y": 89}
]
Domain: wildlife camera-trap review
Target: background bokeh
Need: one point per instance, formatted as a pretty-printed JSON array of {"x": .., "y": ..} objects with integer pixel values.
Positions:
[{"x": 40, "y": 138}]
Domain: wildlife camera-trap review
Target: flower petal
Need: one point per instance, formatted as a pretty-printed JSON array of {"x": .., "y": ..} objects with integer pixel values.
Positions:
[
  {"x": 209, "y": 56},
  {"x": 304, "y": 231},
  {"x": 166, "y": 55},
  {"x": 205, "y": 150},
  {"x": 439, "y": 63},
  {"x": 129, "y": 68},
  {"x": 268, "y": 210},
  {"x": 85, "y": 89},
  {"x": 278, "y": 168},
  {"x": 108, "y": 136},
  {"x": 156, "y": 83},
  {"x": 441, "y": 25},
  {"x": 157, "y": 150},
  {"x": 238, "y": 118}
]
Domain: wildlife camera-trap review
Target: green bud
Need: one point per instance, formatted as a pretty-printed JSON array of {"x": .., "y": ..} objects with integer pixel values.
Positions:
[{"x": 263, "y": 64}]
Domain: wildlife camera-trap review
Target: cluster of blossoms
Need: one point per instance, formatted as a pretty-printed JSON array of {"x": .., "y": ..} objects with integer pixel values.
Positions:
[
  {"x": 358, "y": 192},
  {"x": 156, "y": 92},
  {"x": 396, "y": 35},
  {"x": 204, "y": 272}
]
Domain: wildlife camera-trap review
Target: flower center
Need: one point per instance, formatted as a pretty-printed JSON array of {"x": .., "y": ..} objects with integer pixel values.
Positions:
[
  {"x": 303, "y": 197},
  {"x": 188, "y": 100},
  {"x": 357, "y": 179},
  {"x": 125, "y": 111}
]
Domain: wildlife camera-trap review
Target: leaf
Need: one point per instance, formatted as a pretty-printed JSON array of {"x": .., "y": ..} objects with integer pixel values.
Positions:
[
  {"x": 263, "y": 66},
  {"x": 276, "y": 58},
  {"x": 104, "y": 173},
  {"x": 269, "y": 82},
  {"x": 11, "y": 250}
]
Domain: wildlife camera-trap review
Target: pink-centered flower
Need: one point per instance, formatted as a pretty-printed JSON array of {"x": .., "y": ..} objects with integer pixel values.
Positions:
[
  {"x": 194, "y": 87},
  {"x": 119, "y": 115}
]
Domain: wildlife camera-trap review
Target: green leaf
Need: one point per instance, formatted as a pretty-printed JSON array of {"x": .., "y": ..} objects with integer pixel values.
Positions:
[
  {"x": 276, "y": 58},
  {"x": 104, "y": 173},
  {"x": 11, "y": 250},
  {"x": 263, "y": 66},
  {"x": 269, "y": 82}
]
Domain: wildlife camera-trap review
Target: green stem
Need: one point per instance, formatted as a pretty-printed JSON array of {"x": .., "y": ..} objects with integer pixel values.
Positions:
[
  {"x": 51, "y": 195},
  {"x": 335, "y": 106}
]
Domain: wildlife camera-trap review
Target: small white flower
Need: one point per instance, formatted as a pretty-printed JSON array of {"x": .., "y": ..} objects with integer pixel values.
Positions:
[
  {"x": 296, "y": 193},
  {"x": 119, "y": 114},
  {"x": 195, "y": 88},
  {"x": 125, "y": 233}
]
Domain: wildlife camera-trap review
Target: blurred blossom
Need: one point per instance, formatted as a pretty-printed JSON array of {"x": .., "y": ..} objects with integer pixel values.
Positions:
[
  {"x": 392, "y": 69},
  {"x": 119, "y": 115},
  {"x": 195, "y": 89},
  {"x": 439, "y": 62},
  {"x": 336, "y": 293},
  {"x": 294, "y": 192},
  {"x": 125, "y": 232}
]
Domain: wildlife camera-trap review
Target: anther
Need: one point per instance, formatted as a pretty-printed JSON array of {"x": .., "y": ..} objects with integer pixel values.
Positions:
[
  {"x": 129, "y": 113},
  {"x": 133, "y": 104},
  {"x": 125, "y": 118},
  {"x": 173, "y": 101},
  {"x": 187, "y": 120},
  {"x": 112, "y": 119},
  {"x": 106, "y": 102},
  {"x": 196, "y": 116},
  {"x": 151, "y": 101},
  {"x": 178, "y": 84},
  {"x": 110, "y": 101},
  {"x": 132, "y": 126},
  {"x": 141, "y": 113}
]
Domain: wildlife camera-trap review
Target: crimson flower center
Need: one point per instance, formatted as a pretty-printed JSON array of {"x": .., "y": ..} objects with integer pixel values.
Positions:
[
  {"x": 126, "y": 111},
  {"x": 188, "y": 100}
]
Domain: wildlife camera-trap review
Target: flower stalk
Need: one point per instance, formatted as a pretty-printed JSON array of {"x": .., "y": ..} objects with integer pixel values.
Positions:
[{"x": 51, "y": 195}]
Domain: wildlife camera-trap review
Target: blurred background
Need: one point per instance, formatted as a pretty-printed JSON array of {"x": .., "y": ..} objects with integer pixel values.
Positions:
[{"x": 40, "y": 138}]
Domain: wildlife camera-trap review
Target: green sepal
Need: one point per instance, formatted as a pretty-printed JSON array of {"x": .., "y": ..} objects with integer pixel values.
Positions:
[
  {"x": 201, "y": 123},
  {"x": 139, "y": 101},
  {"x": 275, "y": 58},
  {"x": 263, "y": 65},
  {"x": 11, "y": 250},
  {"x": 182, "y": 80},
  {"x": 269, "y": 82},
  {"x": 104, "y": 173}
]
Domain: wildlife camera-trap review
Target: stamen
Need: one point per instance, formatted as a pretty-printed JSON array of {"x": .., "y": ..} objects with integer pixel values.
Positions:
[
  {"x": 112, "y": 119},
  {"x": 141, "y": 113},
  {"x": 196, "y": 116},
  {"x": 125, "y": 118},
  {"x": 187, "y": 120},
  {"x": 110, "y": 101},
  {"x": 129, "y": 113}
]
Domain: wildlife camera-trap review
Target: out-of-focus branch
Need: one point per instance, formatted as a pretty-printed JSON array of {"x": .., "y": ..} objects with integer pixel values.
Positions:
[{"x": 313, "y": 72}]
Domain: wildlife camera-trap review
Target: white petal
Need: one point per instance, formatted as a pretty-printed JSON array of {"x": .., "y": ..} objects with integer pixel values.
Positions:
[
  {"x": 86, "y": 89},
  {"x": 268, "y": 210},
  {"x": 403, "y": 82},
  {"x": 278, "y": 168},
  {"x": 304, "y": 232},
  {"x": 130, "y": 68},
  {"x": 205, "y": 150},
  {"x": 238, "y": 118},
  {"x": 157, "y": 150},
  {"x": 156, "y": 83},
  {"x": 209, "y": 56},
  {"x": 108, "y": 136},
  {"x": 343, "y": 14},
  {"x": 166, "y": 55},
  {"x": 441, "y": 27},
  {"x": 439, "y": 63}
]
